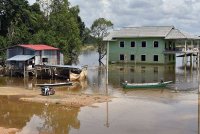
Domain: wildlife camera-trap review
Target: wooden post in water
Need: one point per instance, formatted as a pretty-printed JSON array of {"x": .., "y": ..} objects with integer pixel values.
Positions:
[
  {"x": 198, "y": 114},
  {"x": 198, "y": 90},
  {"x": 198, "y": 58},
  {"x": 107, "y": 62},
  {"x": 24, "y": 70},
  {"x": 107, "y": 58},
  {"x": 198, "y": 103}
]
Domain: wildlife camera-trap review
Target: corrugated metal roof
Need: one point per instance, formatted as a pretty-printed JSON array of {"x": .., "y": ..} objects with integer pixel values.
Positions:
[
  {"x": 135, "y": 32},
  {"x": 21, "y": 58},
  {"x": 177, "y": 34},
  {"x": 38, "y": 47},
  {"x": 167, "y": 32}
]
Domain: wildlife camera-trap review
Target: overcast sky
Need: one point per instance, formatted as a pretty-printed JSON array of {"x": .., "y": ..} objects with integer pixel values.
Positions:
[{"x": 183, "y": 14}]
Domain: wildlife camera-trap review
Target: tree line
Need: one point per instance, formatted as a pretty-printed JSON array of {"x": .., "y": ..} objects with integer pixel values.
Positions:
[{"x": 52, "y": 22}]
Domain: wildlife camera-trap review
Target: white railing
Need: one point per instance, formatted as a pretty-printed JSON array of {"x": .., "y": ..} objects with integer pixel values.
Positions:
[{"x": 193, "y": 50}]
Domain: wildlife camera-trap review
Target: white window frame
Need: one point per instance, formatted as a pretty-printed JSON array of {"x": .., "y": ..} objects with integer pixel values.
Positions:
[
  {"x": 145, "y": 57},
  {"x": 134, "y": 57},
  {"x": 131, "y": 45},
  {"x": 154, "y": 45},
  {"x": 146, "y": 43},
  {"x": 120, "y": 57},
  {"x": 120, "y": 43},
  {"x": 155, "y": 55}
]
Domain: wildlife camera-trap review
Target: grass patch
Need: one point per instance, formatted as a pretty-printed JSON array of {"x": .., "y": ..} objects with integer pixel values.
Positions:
[{"x": 87, "y": 47}]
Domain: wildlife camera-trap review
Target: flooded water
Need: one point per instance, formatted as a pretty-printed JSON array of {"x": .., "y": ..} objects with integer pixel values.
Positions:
[{"x": 173, "y": 109}]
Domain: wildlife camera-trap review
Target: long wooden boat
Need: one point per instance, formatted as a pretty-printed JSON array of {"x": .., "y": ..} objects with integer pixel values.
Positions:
[
  {"x": 55, "y": 84},
  {"x": 127, "y": 85}
]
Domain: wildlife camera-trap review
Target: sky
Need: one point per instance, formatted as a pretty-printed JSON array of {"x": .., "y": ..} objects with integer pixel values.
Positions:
[{"x": 183, "y": 14}]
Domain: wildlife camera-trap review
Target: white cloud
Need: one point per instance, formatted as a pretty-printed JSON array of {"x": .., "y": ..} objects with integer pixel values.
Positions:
[
  {"x": 31, "y": 1},
  {"x": 180, "y": 13}
]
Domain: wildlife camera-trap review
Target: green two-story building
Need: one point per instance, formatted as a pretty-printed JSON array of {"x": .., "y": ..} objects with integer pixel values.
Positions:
[{"x": 149, "y": 44}]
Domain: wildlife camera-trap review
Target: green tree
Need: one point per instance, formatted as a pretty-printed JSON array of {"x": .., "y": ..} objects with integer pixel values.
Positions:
[
  {"x": 75, "y": 11},
  {"x": 3, "y": 45},
  {"x": 63, "y": 29},
  {"x": 18, "y": 20},
  {"x": 53, "y": 22},
  {"x": 100, "y": 29}
]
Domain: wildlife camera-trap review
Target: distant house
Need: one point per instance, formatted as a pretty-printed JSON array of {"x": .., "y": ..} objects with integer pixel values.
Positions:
[
  {"x": 30, "y": 54},
  {"x": 149, "y": 44}
]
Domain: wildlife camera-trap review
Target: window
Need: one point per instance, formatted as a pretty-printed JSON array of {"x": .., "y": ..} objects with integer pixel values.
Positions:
[
  {"x": 132, "y": 57},
  {"x": 121, "y": 57},
  {"x": 132, "y": 43},
  {"x": 155, "y": 43},
  {"x": 44, "y": 59},
  {"x": 143, "y": 43},
  {"x": 143, "y": 57},
  {"x": 155, "y": 58},
  {"x": 121, "y": 43}
]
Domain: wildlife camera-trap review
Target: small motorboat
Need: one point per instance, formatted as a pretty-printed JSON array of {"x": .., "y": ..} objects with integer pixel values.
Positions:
[
  {"x": 46, "y": 91},
  {"x": 127, "y": 85}
]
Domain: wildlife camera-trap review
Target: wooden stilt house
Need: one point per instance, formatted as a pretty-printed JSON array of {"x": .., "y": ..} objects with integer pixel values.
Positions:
[{"x": 21, "y": 58}]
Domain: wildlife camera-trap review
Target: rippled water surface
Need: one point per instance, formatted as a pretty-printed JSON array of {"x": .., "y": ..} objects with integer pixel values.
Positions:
[{"x": 173, "y": 109}]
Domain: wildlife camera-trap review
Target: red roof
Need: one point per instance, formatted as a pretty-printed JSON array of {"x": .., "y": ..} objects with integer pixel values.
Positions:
[{"x": 38, "y": 47}]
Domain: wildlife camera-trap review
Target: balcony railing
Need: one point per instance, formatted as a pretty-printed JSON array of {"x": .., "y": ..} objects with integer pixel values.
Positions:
[{"x": 182, "y": 50}]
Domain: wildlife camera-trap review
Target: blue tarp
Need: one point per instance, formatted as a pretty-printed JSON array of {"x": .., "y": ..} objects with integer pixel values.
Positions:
[{"x": 21, "y": 58}]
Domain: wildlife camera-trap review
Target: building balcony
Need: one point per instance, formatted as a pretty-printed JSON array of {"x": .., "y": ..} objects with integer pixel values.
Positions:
[{"x": 181, "y": 50}]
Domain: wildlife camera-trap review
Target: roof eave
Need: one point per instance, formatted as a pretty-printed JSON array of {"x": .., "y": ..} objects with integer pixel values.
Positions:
[{"x": 139, "y": 37}]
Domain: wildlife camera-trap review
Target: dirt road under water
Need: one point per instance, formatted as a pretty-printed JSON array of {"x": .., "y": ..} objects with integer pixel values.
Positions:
[{"x": 71, "y": 100}]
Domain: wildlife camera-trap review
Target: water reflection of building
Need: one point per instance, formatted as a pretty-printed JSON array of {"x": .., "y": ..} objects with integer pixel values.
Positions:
[
  {"x": 37, "y": 118},
  {"x": 140, "y": 73}
]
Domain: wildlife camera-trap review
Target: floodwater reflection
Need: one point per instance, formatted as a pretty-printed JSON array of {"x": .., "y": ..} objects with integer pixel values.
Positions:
[
  {"x": 133, "y": 111},
  {"x": 37, "y": 118},
  {"x": 140, "y": 73}
]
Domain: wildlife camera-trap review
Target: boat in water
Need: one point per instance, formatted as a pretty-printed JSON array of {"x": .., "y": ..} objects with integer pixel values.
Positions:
[
  {"x": 55, "y": 84},
  {"x": 127, "y": 85},
  {"x": 65, "y": 72}
]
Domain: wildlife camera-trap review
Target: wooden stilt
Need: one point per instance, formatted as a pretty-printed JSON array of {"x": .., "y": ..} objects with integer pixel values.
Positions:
[{"x": 24, "y": 70}]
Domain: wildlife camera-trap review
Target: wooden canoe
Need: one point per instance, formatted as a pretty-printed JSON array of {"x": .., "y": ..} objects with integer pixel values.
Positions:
[
  {"x": 127, "y": 85},
  {"x": 55, "y": 84}
]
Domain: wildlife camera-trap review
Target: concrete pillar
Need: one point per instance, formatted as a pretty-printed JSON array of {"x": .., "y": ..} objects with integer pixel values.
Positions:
[
  {"x": 192, "y": 44},
  {"x": 185, "y": 46},
  {"x": 185, "y": 57}
]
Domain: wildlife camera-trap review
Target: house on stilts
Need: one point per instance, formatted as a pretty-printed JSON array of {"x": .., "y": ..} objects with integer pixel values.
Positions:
[
  {"x": 151, "y": 45},
  {"x": 42, "y": 61}
]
